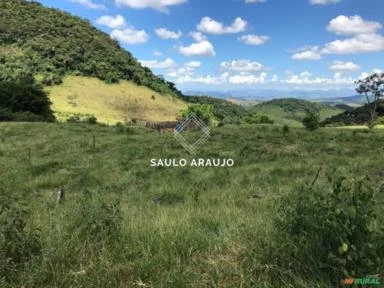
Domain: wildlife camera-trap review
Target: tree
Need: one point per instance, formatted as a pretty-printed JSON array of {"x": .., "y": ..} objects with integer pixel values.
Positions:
[
  {"x": 373, "y": 89},
  {"x": 311, "y": 121},
  {"x": 22, "y": 100},
  {"x": 202, "y": 111}
]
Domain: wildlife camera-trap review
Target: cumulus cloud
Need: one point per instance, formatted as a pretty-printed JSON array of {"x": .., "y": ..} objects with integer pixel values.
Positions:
[
  {"x": 155, "y": 64},
  {"x": 160, "y": 5},
  {"x": 253, "y": 39},
  {"x": 248, "y": 79},
  {"x": 308, "y": 53},
  {"x": 340, "y": 66},
  {"x": 323, "y": 2},
  {"x": 306, "y": 79},
  {"x": 241, "y": 66},
  {"x": 204, "y": 48},
  {"x": 130, "y": 36},
  {"x": 193, "y": 64},
  {"x": 116, "y": 22},
  {"x": 358, "y": 44},
  {"x": 208, "y": 79},
  {"x": 157, "y": 53},
  {"x": 198, "y": 36},
  {"x": 210, "y": 26},
  {"x": 164, "y": 33},
  {"x": 343, "y": 25},
  {"x": 89, "y": 4}
]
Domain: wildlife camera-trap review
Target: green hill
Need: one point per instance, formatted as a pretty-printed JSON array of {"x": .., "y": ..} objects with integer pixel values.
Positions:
[
  {"x": 290, "y": 111},
  {"x": 51, "y": 44},
  {"x": 357, "y": 116}
]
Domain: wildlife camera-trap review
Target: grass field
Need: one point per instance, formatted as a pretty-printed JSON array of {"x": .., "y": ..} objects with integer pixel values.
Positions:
[
  {"x": 111, "y": 103},
  {"x": 126, "y": 224}
]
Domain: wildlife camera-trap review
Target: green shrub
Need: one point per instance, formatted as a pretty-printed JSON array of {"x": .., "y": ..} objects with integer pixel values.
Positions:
[
  {"x": 333, "y": 231},
  {"x": 91, "y": 120},
  {"x": 73, "y": 119},
  {"x": 285, "y": 129},
  {"x": 23, "y": 97},
  {"x": 311, "y": 121}
]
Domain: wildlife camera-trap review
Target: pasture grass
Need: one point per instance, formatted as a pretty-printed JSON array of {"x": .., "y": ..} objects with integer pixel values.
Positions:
[
  {"x": 126, "y": 224},
  {"x": 111, "y": 103}
]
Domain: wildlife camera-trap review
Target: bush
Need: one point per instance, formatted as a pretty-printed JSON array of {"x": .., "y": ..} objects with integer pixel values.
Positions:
[
  {"x": 285, "y": 129},
  {"x": 23, "y": 97},
  {"x": 311, "y": 121},
  {"x": 333, "y": 231},
  {"x": 91, "y": 120}
]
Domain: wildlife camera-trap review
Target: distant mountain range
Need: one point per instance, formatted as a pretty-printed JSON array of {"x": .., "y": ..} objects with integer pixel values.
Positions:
[{"x": 331, "y": 97}]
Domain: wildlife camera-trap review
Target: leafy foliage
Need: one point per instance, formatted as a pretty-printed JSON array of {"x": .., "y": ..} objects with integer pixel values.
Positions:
[
  {"x": 49, "y": 44},
  {"x": 24, "y": 100},
  {"x": 357, "y": 116},
  {"x": 202, "y": 111},
  {"x": 373, "y": 89},
  {"x": 227, "y": 112},
  {"x": 335, "y": 229},
  {"x": 311, "y": 121}
]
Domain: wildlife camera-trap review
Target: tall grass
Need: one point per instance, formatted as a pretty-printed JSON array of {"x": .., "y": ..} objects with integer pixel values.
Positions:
[{"x": 126, "y": 224}]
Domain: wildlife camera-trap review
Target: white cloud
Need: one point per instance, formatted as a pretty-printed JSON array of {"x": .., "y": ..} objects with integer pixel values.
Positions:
[
  {"x": 207, "y": 80},
  {"x": 242, "y": 66},
  {"x": 340, "y": 66},
  {"x": 89, "y": 4},
  {"x": 204, "y": 48},
  {"x": 116, "y": 22},
  {"x": 157, "y": 53},
  {"x": 343, "y": 25},
  {"x": 255, "y": 1},
  {"x": 323, "y": 2},
  {"x": 358, "y": 44},
  {"x": 160, "y": 5},
  {"x": 210, "y": 26},
  {"x": 305, "y": 79},
  {"x": 130, "y": 36},
  {"x": 253, "y": 39},
  {"x": 248, "y": 79},
  {"x": 167, "y": 34},
  {"x": 193, "y": 64},
  {"x": 154, "y": 64},
  {"x": 307, "y": 53},
  {"x": 198, "y": 36}
]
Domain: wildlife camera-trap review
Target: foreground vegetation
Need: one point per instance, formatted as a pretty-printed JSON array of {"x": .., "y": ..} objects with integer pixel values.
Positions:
[{"x": 126, "y": 224}]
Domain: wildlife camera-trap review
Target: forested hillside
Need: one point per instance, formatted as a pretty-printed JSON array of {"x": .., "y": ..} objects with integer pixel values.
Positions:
[
  {"x": 291, "y": 111},
  {"x": 50, "y": 44}
]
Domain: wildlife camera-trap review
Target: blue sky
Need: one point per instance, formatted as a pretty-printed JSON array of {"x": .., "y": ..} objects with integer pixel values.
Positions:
[{"x": 245, "y": 44}]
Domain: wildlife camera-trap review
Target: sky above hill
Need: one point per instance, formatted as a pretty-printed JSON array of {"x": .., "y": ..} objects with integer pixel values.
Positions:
[{"x": 245, "y": 44}]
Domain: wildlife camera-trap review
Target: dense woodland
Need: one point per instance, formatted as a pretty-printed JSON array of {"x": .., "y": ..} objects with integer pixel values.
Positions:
[{"x": 49, "y": 44}]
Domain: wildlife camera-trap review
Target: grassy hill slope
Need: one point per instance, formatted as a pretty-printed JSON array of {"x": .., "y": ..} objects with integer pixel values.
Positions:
[
  {"x": 111, "y": 103},
  {"x": 290, "y": 111}
]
